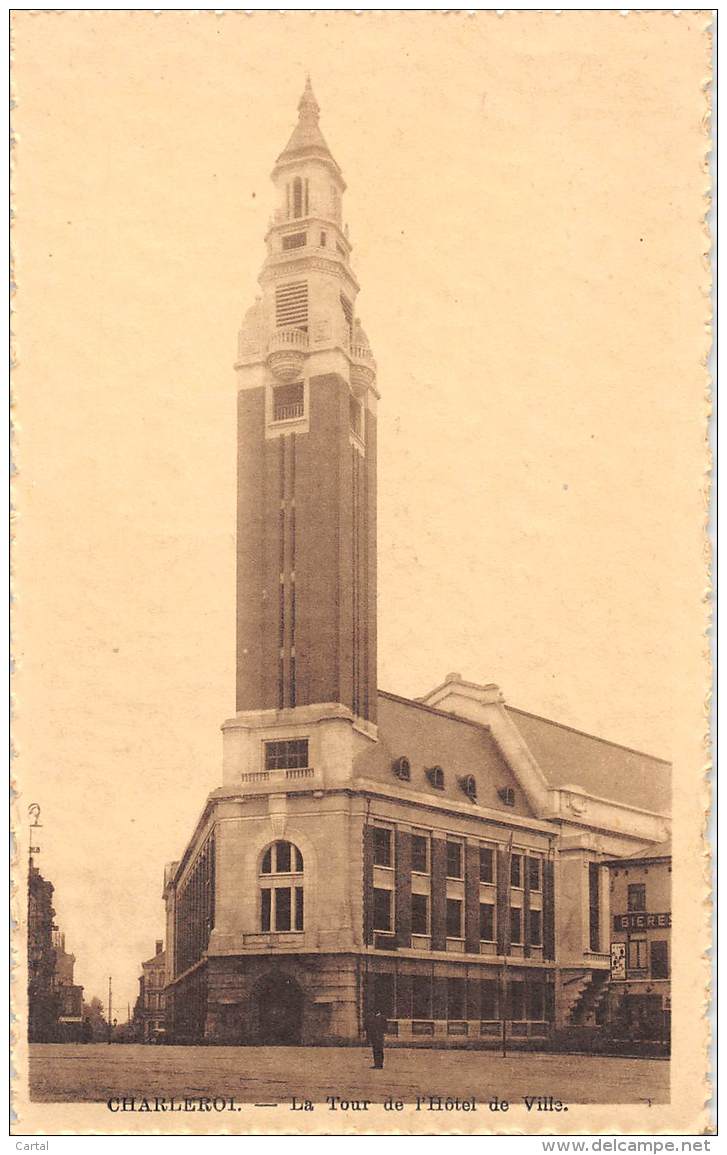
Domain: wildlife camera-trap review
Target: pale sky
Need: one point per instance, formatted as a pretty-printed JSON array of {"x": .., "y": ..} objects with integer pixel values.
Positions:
[{"x": 525, "y": 220}]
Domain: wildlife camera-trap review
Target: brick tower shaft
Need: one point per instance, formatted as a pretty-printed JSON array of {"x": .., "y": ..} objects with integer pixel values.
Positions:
[{"x": 306, "y": 524}]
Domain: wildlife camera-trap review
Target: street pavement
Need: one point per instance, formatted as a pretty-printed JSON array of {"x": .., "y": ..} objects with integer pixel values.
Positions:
[{"x": 99, "y": 1072}]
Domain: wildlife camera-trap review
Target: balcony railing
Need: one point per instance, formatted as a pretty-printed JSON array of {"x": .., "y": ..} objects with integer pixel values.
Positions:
[
  {"x": 288, "y": 412},
  {"x": 278, "y": 775},
  {"x": 362, "y": 353},
  {"x": 288, "y": 338}
]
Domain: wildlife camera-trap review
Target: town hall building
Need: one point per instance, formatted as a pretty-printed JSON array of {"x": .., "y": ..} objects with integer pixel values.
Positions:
[{"x": 443, "y": 859}]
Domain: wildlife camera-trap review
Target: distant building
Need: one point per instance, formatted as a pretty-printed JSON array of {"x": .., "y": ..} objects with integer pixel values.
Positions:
[
  {"x": 639, "y": 995},
  {"x": 69, "y": 995},
  {"x": 55, "y": 1002},
  {"x": 42, "y": 998},
  {"x": 149, "y": 1014}
]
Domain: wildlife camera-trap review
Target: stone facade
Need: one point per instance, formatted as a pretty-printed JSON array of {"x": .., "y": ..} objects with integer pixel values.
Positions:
[
  {"x": 639, "y": 994},
  {"x": 149, "y": 1011}
]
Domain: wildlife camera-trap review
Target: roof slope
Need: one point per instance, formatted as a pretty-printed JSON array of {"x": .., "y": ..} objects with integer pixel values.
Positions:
[
  {"x": 155, "y": 958},
  {"x": 661, "y": 850},
  {"x": 569, "y": 757},
  {"x": 430, "y": 737},
  {"x": 307, "y": 137}
]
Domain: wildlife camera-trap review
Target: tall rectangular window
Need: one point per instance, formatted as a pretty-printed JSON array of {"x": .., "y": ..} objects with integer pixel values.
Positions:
[
  {"x": 489, "y": 1001},
  {"x": 517, "y": 1000},
  {"x": 299, "y": 908},
  {"x": 420, "y": 854},
  {"x": 265, "y": 897},
  {"x": 383, "y": 846},
  {"x": 282, "y": 908},
  {"x": 516, "y": 870},
  {"x": 283, "y": 857},
  {"x": 383, "y": 994},
  {"x": 288, "y": 402},
  {"x": 419, "y": 914},
  {"x": 535, "y": 1002},
  {"x": 487, "y": 864},
  {"x": 454, "y": 859},
  {"x": 487, "y": 922},
  {"x": 290, "y": 754},
  {"x": 454, "y": 918},
  {"x": 636, "y": 896},
  {"x": 455, "y": 998},
  {"x": 536, "y": 928},
  {"x": 636, "y": 955},
  {"x": 421, "y": 997},
  {"x": 594, "y": 906},
  {"x": 534, "y": 873},
  {"x": 660, "y": 959},
  {"x": 516, "y": 924},
  {"x": 382, "y": 909}
]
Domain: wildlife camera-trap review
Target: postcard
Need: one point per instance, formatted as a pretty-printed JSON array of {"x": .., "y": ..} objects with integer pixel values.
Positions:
[{"x": 361, "y": 572}]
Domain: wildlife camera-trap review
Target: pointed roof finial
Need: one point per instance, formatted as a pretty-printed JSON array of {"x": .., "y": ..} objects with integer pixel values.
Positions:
[
  {"x": 307, "y": 139},
  {"x": 308, "y": 108}
]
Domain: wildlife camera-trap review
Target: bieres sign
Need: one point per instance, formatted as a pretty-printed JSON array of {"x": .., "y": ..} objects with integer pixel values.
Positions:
[{"x": 641, "y": 920}]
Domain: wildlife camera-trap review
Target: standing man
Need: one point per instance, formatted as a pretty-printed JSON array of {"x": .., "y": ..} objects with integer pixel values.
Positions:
[{"x": 375, "y": 1029}]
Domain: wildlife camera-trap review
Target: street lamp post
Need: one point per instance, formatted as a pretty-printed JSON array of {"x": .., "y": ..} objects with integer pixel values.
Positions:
[{"x": 35, "y": 826}]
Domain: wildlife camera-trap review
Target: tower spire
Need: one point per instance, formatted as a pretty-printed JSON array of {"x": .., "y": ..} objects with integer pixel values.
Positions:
[
  {"x": 308, "y": 107},
  {"x": 307, "y": 140}
]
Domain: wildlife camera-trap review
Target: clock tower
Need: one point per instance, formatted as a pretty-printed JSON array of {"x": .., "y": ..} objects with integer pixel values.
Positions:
[{"x": 306, "y": 521}]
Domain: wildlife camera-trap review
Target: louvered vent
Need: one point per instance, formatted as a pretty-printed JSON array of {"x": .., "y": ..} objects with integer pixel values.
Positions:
[
  {"x": 347, "y": 310},
  {"x": 291, "y": 305}
]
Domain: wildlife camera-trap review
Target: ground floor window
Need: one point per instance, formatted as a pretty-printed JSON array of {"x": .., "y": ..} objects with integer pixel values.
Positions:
[
  {"x": 459, "y": 997},
  {"x": 636, "y": 954},
  {"x": 660, "y": 959},
  {"x": 517, "y": 999},
  {"x": 455, "y": 998},
  {"x": 421, "y": 997},
  {"x": 535, "y": 1002},
  {"x": 382, "y": 994},
  {"x": 489, "y": 999}
]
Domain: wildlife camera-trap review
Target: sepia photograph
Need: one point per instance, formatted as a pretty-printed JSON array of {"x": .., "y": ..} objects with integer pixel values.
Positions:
[{"x": 360, "y": 572}]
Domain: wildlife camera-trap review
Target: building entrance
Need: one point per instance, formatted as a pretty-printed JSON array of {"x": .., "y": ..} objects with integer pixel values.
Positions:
[{"x": 279, "y": 1002}]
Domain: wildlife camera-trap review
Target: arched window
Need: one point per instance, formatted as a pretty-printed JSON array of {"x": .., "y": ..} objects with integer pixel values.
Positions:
[
  {"x": 401, "y": 766},
  {"x": 297, "y": 197},
  {"x": 469, "y": 786},
  {"x": 435, "y": 774},
  {"x": 281, "y": 888}
]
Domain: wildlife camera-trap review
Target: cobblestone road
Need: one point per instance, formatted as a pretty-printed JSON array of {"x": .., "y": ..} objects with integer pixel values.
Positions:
[{"x": 95, "y": 1073}]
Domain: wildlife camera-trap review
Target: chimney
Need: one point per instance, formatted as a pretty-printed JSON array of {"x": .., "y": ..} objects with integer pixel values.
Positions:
[{"x": 160, "y": 945}]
